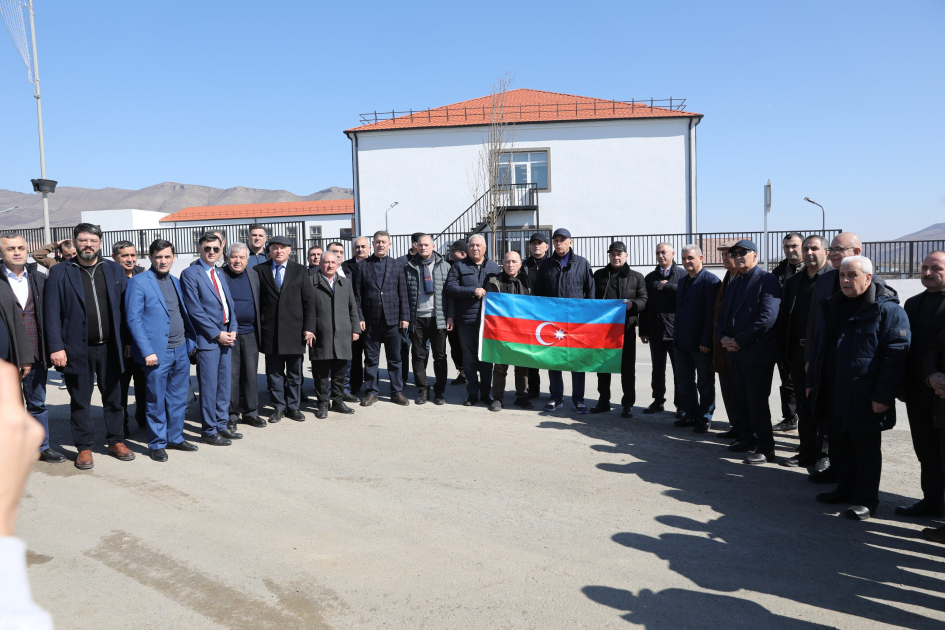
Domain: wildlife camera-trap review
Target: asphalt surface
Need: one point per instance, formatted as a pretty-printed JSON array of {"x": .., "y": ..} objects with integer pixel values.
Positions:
[{"x": 455, "y": 517}]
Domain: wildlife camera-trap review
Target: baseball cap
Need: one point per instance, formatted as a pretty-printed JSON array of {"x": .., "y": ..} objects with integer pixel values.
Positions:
[
  {"x": 561, "y": 232},
  {"x": 459, "y": 246},
  {"x": 620, "y": 246},
  {"x": 539, "y": 236},
  {"x": 746, "y": 244}
]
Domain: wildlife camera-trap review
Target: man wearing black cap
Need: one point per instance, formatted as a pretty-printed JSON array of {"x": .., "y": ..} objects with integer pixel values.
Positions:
[
  {"x": 565, "y": 275},
  {"x": 746, "y": 329},
  {"x": 537, "y": 252},
  {"x": 457, "y": 252},
  {"x": 656, "y": 328},
  {"x": 617, "y": 281}
]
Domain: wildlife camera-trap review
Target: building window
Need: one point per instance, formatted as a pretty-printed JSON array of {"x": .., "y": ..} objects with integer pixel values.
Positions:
[
  {"x": 314, "y": 232},
  {"x": 524, "y": 168}
]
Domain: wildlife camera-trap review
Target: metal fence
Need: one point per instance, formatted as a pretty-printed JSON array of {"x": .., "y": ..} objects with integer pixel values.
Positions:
[{"x": 900, "y": 258}]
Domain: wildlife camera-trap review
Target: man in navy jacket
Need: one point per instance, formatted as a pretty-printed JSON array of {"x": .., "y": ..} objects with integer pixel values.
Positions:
[
  {"x": 83, "y": 316},
  {"x": 692, "y": 338},
  {"x": 746, "y": 329},
  {"x": 656, "y": 327}
]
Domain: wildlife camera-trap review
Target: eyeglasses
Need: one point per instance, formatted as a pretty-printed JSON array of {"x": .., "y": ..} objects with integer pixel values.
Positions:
[
  {"x": 739, "y": 253},
  {"x": 208, "y": 249},
  {"x": 838, "y": 250}
]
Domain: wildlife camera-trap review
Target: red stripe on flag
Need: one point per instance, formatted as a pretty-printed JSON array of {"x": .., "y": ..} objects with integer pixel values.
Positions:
[{"x": 555, "y": 334}]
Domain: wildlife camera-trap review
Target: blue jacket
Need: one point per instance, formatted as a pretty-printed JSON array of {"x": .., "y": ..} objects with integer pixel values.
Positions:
[
  {"x": 695, "y": 311},
  {"x": 384, "y": 303},
  {"x": 149, "y": 323},
  {"x": 871, "y": 359},
  {"x": 574, "y": 280},
  {"x": 461, "y": 284},
  {"x": 204, "y": 306},
  {"x": 749, "y": 315},
  {"x": 64, "y": 313}
]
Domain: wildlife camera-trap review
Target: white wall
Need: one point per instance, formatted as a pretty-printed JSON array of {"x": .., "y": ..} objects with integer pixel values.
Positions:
[
  {"x": 331, "y": 223},
  {"x": 605, "y": 177},
  {"x": 131, "y": 219}
]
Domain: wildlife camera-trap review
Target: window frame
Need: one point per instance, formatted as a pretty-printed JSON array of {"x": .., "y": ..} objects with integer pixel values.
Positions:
[{"x": 547, "y": 152}]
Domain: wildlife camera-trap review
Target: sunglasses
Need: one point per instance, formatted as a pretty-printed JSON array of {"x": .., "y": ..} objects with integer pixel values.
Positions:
[
  {"x": 208, "y": 249},
  {"x": 739, "y": 253}
]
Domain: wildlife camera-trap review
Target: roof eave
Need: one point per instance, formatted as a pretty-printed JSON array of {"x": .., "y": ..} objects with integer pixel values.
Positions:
[{"x": 524, "y": 122}]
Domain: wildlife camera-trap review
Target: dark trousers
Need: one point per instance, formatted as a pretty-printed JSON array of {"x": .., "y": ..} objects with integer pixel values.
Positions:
[
  {"x": 390, "y": 337},
  {"x": 628, "y": 373},
  {"x": 751, "y": 387},
  {"x": 811, "y": 431},
  {"x": 213, "y": 380},
  {"x": 556, "y": 386},
  {"x": 284, "y": 378},
  {"x": 133, "y": 373},
  {"x": 695, "y": 382},
  {"x": 329, "y": 375},
  {"x": 405, "y": 358},
  {"x": 659, "y": 350},
  {"x": 166, "y": 397},
  {"x": 499, "y": 373},
  {"x": 534, "y": 380},
  {"x": 725, "y": 386},
  {"x": 244, "y": 397},
  {"x": 356, "y": 369},
  {"x": 478, "y": 373},
  {"x": 858, "y": 458},
  {"x": 787, "y": 391},
  {"x": 424, "y": 331},
  {"x": 34, "y": 393},
  {"x": 102, "y": 363},
  {"x": 456, "y": 348},
  {"x": 927, "y": 445}
]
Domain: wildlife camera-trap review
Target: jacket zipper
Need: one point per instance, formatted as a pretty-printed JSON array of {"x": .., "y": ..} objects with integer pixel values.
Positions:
[{"x": 98, "y": 311}]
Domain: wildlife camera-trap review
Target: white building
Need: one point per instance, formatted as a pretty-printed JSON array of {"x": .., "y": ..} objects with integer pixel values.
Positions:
[
  {"x": 601, "y": 167},
  {"x": 131, "y": 219}
]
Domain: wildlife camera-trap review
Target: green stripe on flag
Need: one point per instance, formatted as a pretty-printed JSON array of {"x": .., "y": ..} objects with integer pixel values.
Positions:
[{"x": 550, "y": 357}]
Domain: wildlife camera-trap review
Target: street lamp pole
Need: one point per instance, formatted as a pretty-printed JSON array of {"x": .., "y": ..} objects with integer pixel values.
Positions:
[
  {"x": 823, "y": 216},
  {"x": 39, "y": 115},
  {"x": 385, "y": 216}
]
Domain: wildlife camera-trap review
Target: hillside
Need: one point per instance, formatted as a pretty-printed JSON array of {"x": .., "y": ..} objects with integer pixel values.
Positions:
[
  {"x": 932, "y": 233},
  {"x": 67, "y": 203}
]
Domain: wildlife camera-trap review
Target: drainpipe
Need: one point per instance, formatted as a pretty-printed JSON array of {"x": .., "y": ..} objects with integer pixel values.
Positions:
[
  {"x": 692, "y": 219},
  {"x": 356, "y": 184}
]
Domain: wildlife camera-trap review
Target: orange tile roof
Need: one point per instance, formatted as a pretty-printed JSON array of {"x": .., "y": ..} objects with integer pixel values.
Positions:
[
  {"x": 263, "y": 210},
  {"x": 523, "y": 105}
]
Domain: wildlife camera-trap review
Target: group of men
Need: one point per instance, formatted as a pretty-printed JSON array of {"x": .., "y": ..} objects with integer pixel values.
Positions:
[{"x": 844, "y": 347}]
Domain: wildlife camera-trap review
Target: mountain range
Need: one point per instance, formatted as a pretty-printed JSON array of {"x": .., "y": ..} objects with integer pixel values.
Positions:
[
  {"x": 934, "y": 232},
  {"x": 67, "y": 203}
]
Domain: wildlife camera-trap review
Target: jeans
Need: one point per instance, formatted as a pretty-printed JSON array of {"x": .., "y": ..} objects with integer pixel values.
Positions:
[
  {"x": 478, "y": 373},
  {"x": 424, "y": 330},
  {"x": 166, "y": 397},
  {"x": 34, "y": 391},
  {"x": 103, "y": 362},
  {"x": 694, "y": 375},
  {"x": 556, "y": 386}
]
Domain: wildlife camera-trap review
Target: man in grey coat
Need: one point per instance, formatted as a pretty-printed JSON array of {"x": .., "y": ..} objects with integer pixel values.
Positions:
[
  {"x": 426, "y": 276},
  {"x": 337, "y": 325}
]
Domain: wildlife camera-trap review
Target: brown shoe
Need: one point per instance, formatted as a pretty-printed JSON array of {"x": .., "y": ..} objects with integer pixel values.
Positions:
[
  {"x": 84, "y": 460},
  {"x": 369, "y": 400},
  {"x": 399, "y": 398},
  {"x": 121, "y": 451}
]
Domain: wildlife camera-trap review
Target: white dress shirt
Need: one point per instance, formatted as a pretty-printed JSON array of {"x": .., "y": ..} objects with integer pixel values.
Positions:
[
  {"x": 210, "y": 271},
  {"x": 20, "y": 286}
]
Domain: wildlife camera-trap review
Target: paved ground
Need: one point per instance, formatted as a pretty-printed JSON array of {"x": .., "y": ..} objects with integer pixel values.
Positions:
[{"x": 450, "y": 517}]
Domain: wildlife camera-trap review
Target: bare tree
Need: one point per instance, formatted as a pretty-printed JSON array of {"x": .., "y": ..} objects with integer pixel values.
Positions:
[{"x": 489, "y": 181}]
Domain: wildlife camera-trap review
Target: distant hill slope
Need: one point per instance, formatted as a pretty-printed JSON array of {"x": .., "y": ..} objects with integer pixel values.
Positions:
[
  {"x": 931, "y": 233},
  {"x": 67, "y": 203}
]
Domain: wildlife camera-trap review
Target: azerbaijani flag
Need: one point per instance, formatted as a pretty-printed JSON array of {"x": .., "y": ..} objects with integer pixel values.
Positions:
[{"x": 552, "y": 333}]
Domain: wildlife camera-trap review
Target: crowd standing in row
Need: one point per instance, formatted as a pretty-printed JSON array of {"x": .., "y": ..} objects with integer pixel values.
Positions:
[{"x": 844, "y": 347}]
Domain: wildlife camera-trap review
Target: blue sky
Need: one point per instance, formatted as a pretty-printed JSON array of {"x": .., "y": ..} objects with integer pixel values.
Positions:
[{"x": 839, "y": 101}]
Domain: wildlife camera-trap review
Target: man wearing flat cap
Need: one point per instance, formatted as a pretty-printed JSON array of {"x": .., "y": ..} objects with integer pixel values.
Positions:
[
  {"x": 747, "y": 331},
  {"x": 617, "y": 281},
  {"x": 537, "y": 252}
]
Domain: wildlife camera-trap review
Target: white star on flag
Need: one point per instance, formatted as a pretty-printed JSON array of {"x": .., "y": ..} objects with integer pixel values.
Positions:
[{"x": 559, "y": 334}]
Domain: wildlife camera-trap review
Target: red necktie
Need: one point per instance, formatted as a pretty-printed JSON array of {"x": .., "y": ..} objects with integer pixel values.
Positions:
[{"x": 213, "y": 276}]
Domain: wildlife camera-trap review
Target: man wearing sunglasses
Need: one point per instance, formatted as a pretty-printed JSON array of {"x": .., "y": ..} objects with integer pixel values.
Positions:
[
  {"x": 212, "y": 312},
  {"x": 746, "y": 329}
]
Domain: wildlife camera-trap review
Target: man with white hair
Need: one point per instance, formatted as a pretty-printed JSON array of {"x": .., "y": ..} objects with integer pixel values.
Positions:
[
  {"x": 244, "y": 398},
  {"x": 857, "y": 366}
]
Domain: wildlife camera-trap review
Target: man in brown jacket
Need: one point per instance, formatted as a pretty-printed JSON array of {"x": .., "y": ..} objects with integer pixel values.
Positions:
[{"x": 49, "y": 255}]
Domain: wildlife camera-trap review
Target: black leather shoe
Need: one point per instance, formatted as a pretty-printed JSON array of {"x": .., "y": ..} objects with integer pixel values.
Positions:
[
  {"x": 339, "y": 406},
  {"x": 833, "y": 498},
  {"x": 471, "y": 401},
  {"x": 701, "y": 427},
  {"x": 321, "y": 412},
  {"x": 368, "y": 400},
  {"x": 487, "y": 400},
  {"x": 215, "y": 440},
  {"x": 351, "y": 398},
  {"x": 827, "y": 475},
  {"x": 438, "y": 399},
  {"x": 786, "y": 425},
  {"x": 534, "y": 394},
  {"x": 525, "y": 403},
  {"x": 422, "y": 396},
  {"x": 182, "y": 446},
  {"x": 399, "y": 399},
  {"x": 159, "y": 455},
  {"x": 231, "y": 426},
  {"x": 731, "y": 434},
  {"x": 791, "y": 462},
  {"x": 858, "y": 513},
  {"x": 276, "y": 416},
  {"x": 255, "y": 421},
  {"x": 602, "y": 406},
  {"x": 756, "y": 459},
  {"x": 679, "y": 415},
  {"x": 935, "y": 534},
  {"x": 684, "y": 422},
  {"x": 627, "y": 412},
  {"x": 822, "y": 464},
  {"x": 654, "y": 407},
  {"x": 51, "y": 456},
  {"x": 230, "y": 435},
  {"x": 743, "y": 446},
  {"x": 920, "y": 509},
  {"x": 459, "y": 380},
  {"x": 295, "y": 414}
]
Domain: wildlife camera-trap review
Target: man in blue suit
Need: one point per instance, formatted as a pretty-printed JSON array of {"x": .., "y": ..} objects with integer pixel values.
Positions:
[
  {"x": 161, "y": 340},
  {"x": 213, "y": 315},
  {"x": 83, "y": 315},
  {"x": 692, "y": 341},
  {"x": 746, "y": 330}
]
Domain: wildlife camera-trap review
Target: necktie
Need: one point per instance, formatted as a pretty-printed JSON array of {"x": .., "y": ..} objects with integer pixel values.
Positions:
[
  {"x": 213, "y": 276},
  {"x": 279, "y": 271}
]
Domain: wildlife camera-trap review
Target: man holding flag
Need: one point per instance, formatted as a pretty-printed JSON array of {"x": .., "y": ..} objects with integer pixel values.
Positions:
[{"x": 565, "y": 275}]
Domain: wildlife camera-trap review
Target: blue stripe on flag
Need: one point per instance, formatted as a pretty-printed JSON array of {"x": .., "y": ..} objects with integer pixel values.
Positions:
[{"x": 555, "y": 309}]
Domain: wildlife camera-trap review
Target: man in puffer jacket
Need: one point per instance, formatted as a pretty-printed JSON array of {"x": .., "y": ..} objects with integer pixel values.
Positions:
[
  {"x": 464, "y": 287},
  {"x": 858, "y": 363},
  {"x": 426, "y": 278},
  {"x": 565, "y": 275}
]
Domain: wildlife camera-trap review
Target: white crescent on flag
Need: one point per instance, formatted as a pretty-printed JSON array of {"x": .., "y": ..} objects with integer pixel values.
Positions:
[{"x": 538, "y": 332}]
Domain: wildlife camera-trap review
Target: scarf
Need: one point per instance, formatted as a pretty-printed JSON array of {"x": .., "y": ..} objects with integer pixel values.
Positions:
[{"x": 427, "y": 267}]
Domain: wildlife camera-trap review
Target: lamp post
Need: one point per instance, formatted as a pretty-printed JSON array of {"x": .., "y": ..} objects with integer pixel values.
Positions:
[
  {"x": 385, "y": 216},
  {"x": 823, "y": 216}
]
